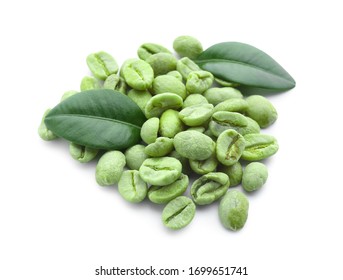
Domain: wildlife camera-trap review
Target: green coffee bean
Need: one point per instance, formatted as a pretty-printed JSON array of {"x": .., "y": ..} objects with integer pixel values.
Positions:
[
  {"x": 194, "y": 145},
  {"x": 162, "y": 63},
  {"x": 138, "y": 74},
  {"x": 161, "y": 147},
  {"x": 230, "y": 146},
  {"x": 140, "y": 97},
  {"x": 68, "y": 94},
  {"x": 164, "y": 194},
  {"x": 261, "y": 110},
  {"x": 88, "y": 83},
  {"x": 209, "y": 187},
  {"x": 194, "y": 99},
  {"x": 162, "y": 102},
  {"x": 168, "y": 83},
  {"x": 149, "y": 130},
  {"x": 178, "y": 213},
  {"x": 216, "y": 95},
  {"x": 222, "y": 121},
  {"x": 199, "y": 81},
  {"x": 233, "y": 210},
  {"x": 176, "y": 74},
  {"x": 238, "y": 105},
  {"x": 186, "y": 66},
  {"x": 196, "y": 115},
  {"x": 254, "y": 176},
  {"x": 125, "y": 64},
  {"x": 187, "y": 46},
  {"x": 81, "y": 153},
  {"x": 109, "y": 168},
  {"x": 43, "y": 131},
  {"x": 135, "y": 156},
  {"x": 235, "y": 173},
  {"x": 102, "y": 65},
  {"x": 204, "y": 166},
  {"x": 132, "y": 187},
  {"x": 160, "y": 171},
  {"x": 148, "y": 49},
  {"x": 259, "y": 146},
  {"x": 170, "y": 123},
  {"x": 116, "y": 83}
]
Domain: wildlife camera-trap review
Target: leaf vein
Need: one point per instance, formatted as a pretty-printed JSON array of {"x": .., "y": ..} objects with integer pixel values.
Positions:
[
  {"x": 204, "y": 61},
  {"x": 100, "y": 118}
]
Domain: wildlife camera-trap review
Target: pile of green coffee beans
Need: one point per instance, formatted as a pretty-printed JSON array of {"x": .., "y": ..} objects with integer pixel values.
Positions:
[{"x": 196, "y": 124}]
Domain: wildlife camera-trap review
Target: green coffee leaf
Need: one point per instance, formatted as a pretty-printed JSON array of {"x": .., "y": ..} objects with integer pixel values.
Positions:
[
  {"x": 100, "y": 119},
  {"x": 244, "y": 64}
]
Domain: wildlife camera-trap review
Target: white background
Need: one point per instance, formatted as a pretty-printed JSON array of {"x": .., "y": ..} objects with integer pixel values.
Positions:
[{"x": 57, "y": 223}]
